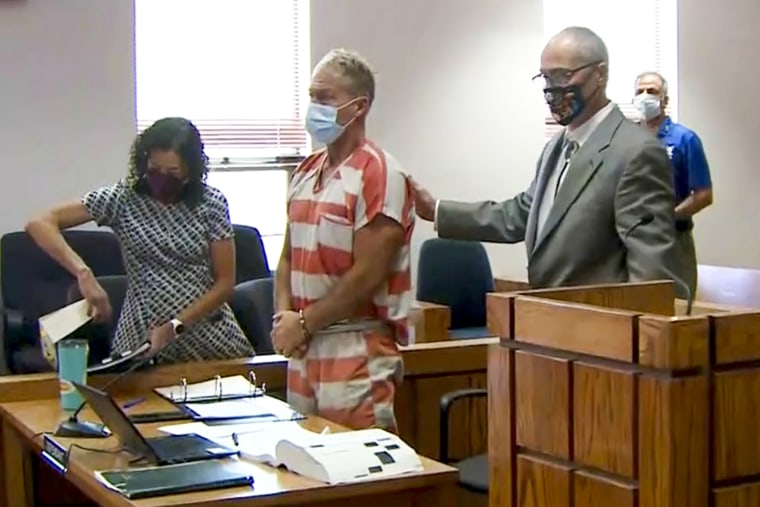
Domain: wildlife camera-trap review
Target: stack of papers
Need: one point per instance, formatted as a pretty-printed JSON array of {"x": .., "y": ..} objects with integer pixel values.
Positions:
[{"x": 334, "y": 458}]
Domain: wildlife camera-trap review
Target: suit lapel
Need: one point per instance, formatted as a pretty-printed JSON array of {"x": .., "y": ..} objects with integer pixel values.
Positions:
[
  {"x": 548, "y": 161},
  {"x": 584, "y": 165}
]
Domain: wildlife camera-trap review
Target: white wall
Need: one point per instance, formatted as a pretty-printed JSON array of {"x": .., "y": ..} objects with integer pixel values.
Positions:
[
  {"x": 67, "y": 112},
  {"x": 719, "y": 74},
  {"x": 67, "y": 92},
  {"x": 456, "y": 107},
  {"x": 455, "y": 103}
]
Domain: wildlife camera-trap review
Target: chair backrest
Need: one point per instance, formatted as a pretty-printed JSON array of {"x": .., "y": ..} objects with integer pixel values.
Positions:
[
  {"x": 456, "y": 274},
  {"x": 253, "y": 306},
  {"x": 250, "y": 257},
  {"x": 35, "y": 284},
  {"x": 100, "y": 336}
]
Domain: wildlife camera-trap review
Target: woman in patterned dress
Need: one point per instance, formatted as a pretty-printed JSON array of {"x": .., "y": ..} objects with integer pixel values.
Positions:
[{"x": 177, "y": 244}]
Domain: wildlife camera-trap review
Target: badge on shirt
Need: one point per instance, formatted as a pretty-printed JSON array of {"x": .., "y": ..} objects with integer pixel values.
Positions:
[{"x": 670, "y": 152}]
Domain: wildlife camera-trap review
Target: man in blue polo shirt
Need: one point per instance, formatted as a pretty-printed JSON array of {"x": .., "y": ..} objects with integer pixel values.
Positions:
[{"x": 691, "y": 172}]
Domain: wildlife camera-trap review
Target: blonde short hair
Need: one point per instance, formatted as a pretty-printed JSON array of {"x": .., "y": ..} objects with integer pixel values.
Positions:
[{"x": 352, "y": 66}]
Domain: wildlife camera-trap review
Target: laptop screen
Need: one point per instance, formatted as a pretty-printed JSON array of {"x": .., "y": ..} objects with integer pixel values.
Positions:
[{"x": 116, "y": 420}]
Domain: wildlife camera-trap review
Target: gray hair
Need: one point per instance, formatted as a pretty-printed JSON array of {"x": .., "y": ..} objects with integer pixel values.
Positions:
[
  {"x": 591, "y": 47},
  {"x": 356, "y": 70},
  {"x": 659, "y": 76}
]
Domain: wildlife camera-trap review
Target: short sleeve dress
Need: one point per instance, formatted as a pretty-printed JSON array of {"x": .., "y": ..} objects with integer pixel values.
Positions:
[{"x": 166, "y": 250}]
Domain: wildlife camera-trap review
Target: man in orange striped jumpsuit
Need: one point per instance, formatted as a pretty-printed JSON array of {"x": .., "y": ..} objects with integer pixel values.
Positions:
[{"x": 343, "y": 283}]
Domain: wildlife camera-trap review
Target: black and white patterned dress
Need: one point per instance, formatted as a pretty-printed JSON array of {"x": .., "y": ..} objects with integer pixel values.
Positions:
[{"x": 168, "y": 262}]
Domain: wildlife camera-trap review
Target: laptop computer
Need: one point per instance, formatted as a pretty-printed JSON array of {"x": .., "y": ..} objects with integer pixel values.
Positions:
[{"x": 170, "y": 449}]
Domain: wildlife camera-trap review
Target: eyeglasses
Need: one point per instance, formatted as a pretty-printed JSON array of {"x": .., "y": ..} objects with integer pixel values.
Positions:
[{"x": 560, "y": 77}]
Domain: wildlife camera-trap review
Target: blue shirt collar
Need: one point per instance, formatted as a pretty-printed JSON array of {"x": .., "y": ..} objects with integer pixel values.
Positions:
[{"x": 665, "y": 127}]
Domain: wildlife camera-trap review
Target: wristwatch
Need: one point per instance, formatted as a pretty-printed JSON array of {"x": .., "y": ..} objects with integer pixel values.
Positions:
[{"x": 178, "y": 326}]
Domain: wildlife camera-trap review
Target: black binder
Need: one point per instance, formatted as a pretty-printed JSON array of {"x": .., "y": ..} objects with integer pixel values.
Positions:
[
  {"x": 177, "y": 479},
  {"x": 121, "y": 362}
]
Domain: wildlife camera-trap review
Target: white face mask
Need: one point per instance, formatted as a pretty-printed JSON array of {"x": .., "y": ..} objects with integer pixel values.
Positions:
[{"x": 648, "y": 105}]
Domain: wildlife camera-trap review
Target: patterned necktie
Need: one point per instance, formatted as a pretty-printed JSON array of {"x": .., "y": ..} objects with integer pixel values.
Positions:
[{"x": 568, "y": 151}]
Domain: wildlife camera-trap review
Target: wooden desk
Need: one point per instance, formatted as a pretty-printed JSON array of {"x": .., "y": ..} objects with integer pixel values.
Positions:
[
  {"x": 430, "y": 370},
  {"x": 23, "y": 421},
  {"x": 430, "y": 321},
  {"x": 507, "y": 284}
]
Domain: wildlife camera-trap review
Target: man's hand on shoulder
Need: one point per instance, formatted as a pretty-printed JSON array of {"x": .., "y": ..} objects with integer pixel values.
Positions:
[{"x": 424, "y": 202}]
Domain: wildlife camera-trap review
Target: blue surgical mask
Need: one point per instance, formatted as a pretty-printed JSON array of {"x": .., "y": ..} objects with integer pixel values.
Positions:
[
  {"x": 322, "y": 122},
  {"x": 648, "y": 105}
]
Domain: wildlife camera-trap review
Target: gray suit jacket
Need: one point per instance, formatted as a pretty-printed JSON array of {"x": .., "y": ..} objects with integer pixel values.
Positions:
[{"x": 619, "y": 178}]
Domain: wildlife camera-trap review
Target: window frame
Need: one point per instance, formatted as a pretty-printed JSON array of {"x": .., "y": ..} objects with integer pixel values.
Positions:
[
  {"x": 282, "y": 163},
  {"x": 248, "y": 141}
]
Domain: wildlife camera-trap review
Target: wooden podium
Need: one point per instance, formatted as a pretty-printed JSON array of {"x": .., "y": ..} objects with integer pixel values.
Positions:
[{"x": 599, "y": 397}]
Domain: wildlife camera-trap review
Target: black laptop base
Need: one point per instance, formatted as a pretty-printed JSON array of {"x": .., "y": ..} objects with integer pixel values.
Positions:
[{"x": 175, "y": 449}]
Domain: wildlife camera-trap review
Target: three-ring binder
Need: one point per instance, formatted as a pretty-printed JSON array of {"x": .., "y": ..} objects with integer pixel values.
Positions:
[
  {"x": 217, "y": 389},
  {"x": 198, "y": 400}
]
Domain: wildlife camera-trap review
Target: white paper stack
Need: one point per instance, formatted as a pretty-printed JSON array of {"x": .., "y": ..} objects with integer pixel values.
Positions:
[{"x": 333, "y": 458}]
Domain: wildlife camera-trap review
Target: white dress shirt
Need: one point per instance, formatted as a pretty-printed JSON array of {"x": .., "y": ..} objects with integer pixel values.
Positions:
[{"x": 579, "y": 136}]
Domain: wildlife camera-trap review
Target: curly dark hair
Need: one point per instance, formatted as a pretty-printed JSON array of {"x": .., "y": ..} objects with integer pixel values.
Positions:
[{"x": 180, "y": 136}]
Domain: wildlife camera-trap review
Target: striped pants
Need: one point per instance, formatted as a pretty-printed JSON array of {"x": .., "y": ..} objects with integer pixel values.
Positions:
[{"x": 348, "y": 378}]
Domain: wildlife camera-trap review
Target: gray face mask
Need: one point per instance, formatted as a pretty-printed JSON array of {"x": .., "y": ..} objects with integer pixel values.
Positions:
[{"x": 648, "y": 105}]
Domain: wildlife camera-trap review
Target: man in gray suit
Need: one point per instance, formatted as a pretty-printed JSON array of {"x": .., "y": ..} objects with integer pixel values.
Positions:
[{"x": 600, "y": 208}]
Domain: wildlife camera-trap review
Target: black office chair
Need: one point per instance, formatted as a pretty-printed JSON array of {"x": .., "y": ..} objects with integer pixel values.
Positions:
[
  {"x": 250, "y": 256},
  {"x": 473, "y": 471},
  {"x": 253, "y": 306},
  {"x": 456, "y": 274},
  {"x": 34, "y": 285}
]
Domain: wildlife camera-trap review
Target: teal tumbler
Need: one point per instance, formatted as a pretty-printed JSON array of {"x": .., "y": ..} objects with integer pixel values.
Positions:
[{"x": 72, "y": 367}]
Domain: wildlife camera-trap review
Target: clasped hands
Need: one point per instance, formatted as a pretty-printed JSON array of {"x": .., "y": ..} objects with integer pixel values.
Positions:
[{"x": 288, "y": 337}]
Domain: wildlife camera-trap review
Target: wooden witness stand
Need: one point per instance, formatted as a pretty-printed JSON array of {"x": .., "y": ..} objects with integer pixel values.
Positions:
[
  {"x": 599, "y": 397},
  {"x": 431, "y": 370}
]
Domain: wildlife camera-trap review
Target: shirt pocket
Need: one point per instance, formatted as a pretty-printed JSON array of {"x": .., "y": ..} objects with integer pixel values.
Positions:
[{"x": 336, "y": 232}]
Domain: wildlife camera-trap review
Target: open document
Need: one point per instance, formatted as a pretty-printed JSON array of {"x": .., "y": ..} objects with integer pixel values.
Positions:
[
  {"x": 334, "y": 458},
  {"x": 257, "y": 441}
]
